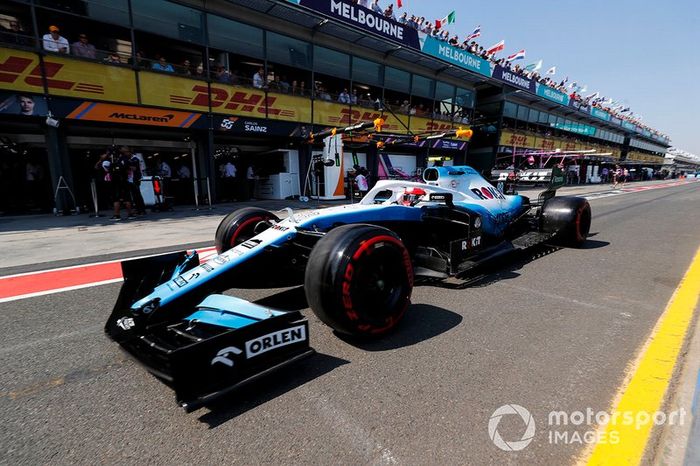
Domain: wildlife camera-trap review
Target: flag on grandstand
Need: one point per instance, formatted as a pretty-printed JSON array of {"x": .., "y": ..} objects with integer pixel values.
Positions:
[
  {"x": 399, "y": 3},
  {"x": 552, "y": 70},
  {"x": 495, "y": 48},
  {"x": 584, "y": 88},
  {"x": 517, "y": 55},
  {"x": 475, "y": 34},
  {"x": 449, "y": 19},
  {"x": 593, "y": 96},
  {"x": 626, "y": 109},
  {"x": 534, "y": 66}
]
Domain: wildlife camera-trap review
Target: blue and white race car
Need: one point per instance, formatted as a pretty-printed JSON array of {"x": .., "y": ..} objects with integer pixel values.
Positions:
[{"x": 357, "y": 264}]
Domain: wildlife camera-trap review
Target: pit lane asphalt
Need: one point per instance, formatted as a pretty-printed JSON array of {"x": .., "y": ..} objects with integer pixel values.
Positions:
[{"x": 549, "y": 333}]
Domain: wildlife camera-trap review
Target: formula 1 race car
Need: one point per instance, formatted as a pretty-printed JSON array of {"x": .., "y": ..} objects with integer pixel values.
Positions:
[{"x": 357, "y": 264}]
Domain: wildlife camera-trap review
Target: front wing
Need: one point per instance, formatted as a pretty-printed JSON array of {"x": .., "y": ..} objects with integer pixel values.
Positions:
[{"x": 220, "y": 344}]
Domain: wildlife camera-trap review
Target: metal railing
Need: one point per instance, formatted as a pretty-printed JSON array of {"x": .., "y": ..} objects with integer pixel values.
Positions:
[{"x": 17, "y": 39}]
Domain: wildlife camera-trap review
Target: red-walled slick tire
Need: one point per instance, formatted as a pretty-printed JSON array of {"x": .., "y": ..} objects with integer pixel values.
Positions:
[
  {"x": 569, "y": 218},
  {"x": 240, "y": 226},
  {"x": 359, "y": 280}
]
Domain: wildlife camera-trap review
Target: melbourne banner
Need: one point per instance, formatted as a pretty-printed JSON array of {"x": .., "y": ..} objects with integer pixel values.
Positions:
[
  {"x": 578, "y": 128},
  {"x": 439, "y": 49},
  {"x": 514, "y": 79},
  {"x": 628, "y": 125},
  {"x": 598, "y": 113},
  {"x": 552, "y": 94},
  {"x": 364, "y": 18}
]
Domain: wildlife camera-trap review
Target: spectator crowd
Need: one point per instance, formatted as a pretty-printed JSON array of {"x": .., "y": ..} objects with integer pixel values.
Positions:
[
  {"x": 53, "y": 41},
  {"x": 436, "y": 30}
]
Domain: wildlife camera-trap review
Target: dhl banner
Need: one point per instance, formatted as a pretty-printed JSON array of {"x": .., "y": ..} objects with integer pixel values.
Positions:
[
  {"x": 190, "y": 94},
  {"x": 21, "y": 71},
  {"x": 425, "y": 125},
  {"x": 288, "y": 108},
  {"x": 529, "y": 141},
  {"x": 332, "y": 114},
  {"x": 640, "y": 157},
  {"x": 398, "y": 123},
  {"x": 245, "y": 101},
  {"x": 164, "y": 90},
  {"x": 111, "y": 113},
  {"x": 518, "y": 140}
]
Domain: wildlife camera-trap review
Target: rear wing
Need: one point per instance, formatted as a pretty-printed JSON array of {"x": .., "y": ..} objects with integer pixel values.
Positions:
[{"x": 506, "y": 181}]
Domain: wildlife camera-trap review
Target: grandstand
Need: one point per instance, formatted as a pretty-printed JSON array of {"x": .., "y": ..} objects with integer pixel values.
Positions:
[{"x": 246, "y": 81}]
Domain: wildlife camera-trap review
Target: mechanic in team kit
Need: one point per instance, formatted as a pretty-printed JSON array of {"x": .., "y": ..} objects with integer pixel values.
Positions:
[
  {"x": 134, "y": 179},
  {"x": 360, "y": 174},
  {"x": 118, "y": 172}
]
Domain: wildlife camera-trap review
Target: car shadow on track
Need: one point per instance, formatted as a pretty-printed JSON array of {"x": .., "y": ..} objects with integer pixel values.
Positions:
[
  {"x": 421, "y": 322},
  {"x": 285, "y": 380},
  {"x": 293, "y": 299},
  {"x": 594, "y": 244}
]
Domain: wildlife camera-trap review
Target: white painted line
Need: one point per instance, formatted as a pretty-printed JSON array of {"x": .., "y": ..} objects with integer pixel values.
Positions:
[
  {"x": 91, "y": 264},
  {"x": 59, "y": 290}
]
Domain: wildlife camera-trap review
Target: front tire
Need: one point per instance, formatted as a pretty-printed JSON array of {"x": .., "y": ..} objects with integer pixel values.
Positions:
[
  {"x": 240, "y": 226},
  {"x": 569, "y": 218},
  {"x": 359, "y": 280}
]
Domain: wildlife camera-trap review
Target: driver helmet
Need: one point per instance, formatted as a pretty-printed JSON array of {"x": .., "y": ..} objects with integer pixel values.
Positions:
[
  {"x": 412, "y": 196},
  {"x": 531, "y": 160}
]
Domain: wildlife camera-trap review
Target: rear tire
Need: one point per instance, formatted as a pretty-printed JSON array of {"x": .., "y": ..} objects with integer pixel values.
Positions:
[
  {"x": 240, "y": 226},
  {"x": 569, "y": 217},
  {"x": 359, "y": 280}
]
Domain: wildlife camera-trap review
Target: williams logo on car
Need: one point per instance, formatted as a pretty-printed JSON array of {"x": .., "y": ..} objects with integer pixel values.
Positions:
[
  {"x": 224, "y": 356},
  {"x": 275, "y": 340}
]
